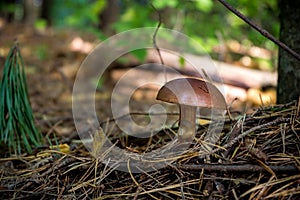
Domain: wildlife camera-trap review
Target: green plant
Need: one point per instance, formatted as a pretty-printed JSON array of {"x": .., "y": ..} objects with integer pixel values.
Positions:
[
  {"x": 80, "y": 14},
  {"x": 205, "y": 21},
  {"x": 17, "y": 128},
  {"x": 41, "y": 52}
]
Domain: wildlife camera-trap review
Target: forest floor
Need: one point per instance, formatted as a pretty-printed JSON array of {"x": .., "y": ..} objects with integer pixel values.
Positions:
[{"x": 257, "y": 155}]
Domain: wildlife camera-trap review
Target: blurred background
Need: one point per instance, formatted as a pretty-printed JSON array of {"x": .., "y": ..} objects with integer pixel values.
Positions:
[{"x": 56, "y": 36}]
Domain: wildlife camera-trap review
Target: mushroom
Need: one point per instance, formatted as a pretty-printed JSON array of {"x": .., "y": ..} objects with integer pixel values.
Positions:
[{"x": 190, "y": 93}]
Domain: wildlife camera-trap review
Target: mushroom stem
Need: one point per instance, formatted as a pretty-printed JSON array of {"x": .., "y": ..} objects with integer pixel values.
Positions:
[{"x": 187, "y": 122}]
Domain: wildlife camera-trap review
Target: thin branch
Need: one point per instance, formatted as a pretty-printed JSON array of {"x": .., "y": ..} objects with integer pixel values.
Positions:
[
  {"x": 134, "y": 113},
  {"x": 260, "y": 30},
  {"x": 154, "y": 39},
  {"x": 155, "y": 34}
]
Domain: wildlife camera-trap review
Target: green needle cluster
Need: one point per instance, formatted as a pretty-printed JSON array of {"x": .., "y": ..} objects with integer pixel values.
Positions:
[{"x": 17, "y": 128}]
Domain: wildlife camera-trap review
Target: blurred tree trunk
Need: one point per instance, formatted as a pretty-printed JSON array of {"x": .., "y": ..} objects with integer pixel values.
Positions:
[
  {"x": 289, "y": 67},
  {"x": 8, "y": 13},
  {"x": 108, "y": 16},
  {"x": 46, "y": 11},
  {"x": 31, "y": 11}
]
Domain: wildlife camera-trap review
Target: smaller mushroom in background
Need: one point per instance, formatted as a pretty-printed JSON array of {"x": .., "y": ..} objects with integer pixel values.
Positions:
[{"x": 190, "y": 93}]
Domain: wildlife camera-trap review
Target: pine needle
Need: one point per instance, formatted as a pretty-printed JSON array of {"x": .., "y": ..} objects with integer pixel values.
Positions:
[{"x": 17, "y": 128}]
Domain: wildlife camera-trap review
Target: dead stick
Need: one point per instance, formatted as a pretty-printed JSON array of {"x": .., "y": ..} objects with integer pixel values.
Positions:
[
  {"x": 235, "y": 168},
  {"x": 260, "y": 30}
]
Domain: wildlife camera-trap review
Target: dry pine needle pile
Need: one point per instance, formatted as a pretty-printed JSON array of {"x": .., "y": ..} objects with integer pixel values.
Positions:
[{"x": 257, "y": 157}]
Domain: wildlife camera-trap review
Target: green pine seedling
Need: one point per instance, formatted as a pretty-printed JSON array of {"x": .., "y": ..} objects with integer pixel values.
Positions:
[{"x": 17, "y": 128}]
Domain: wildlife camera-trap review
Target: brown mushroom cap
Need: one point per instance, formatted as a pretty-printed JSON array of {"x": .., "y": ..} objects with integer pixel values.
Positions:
[{"x": 192, "y": 92}]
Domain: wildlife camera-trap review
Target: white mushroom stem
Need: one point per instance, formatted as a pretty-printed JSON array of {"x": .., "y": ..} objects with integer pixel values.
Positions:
[{"x": 187, "y": 122}]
